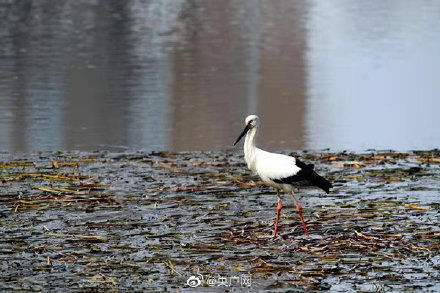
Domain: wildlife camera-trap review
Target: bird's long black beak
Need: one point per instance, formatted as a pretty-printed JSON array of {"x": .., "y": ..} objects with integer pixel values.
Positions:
[{"x": 245, "y": 130}]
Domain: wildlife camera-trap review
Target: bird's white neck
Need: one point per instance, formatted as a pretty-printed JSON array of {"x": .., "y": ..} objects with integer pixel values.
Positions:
[{"x": 250, "y": 148}]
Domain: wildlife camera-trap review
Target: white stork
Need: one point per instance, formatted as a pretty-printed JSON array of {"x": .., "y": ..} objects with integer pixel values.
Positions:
[{"x": 277, "y": 170}]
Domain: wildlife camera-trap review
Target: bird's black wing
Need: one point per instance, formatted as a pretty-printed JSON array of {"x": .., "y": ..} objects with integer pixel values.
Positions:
[{"x": 305, "y": 176}]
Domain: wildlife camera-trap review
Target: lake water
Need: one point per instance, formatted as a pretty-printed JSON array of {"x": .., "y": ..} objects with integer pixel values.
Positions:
[{"x": 183, "y": 75}]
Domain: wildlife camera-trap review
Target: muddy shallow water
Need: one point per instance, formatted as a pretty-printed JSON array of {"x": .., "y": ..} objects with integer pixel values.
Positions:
[{"x": 149, "y": 221}]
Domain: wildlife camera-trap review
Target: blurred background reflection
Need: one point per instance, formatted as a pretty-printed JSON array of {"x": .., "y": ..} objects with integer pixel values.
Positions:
[{"x": 183, "y": 74}]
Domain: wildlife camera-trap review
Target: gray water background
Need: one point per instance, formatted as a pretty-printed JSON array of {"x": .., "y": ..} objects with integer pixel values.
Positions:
[{"x": 182, "y": 75}]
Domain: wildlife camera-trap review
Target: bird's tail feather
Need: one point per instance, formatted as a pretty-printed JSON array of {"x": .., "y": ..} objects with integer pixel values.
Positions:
[{"x": 321, "y": 182}]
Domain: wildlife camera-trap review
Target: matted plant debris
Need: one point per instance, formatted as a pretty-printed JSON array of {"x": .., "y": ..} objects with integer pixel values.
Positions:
[{"x": 161, "y": 221}]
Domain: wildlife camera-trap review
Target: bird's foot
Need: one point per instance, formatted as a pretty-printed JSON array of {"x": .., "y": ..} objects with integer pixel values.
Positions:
[
  {"x": 279, "y": 207},
  {"x": 299, "y": 209}
]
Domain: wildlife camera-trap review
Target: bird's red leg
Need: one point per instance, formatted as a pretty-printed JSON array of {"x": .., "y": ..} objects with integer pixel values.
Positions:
[
  {"x": 299, "y": 209},
  {"x": 279, "y": 207}
]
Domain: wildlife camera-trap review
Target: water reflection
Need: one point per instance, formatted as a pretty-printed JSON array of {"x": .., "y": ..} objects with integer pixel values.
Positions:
[
  {"x": 182, "y": 75},
  {"x": 373, "y": 75},
  {"x": 219, "y": 73}
]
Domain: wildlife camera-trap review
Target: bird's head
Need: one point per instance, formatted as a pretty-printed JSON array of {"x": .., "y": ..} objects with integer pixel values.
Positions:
[{"x": 251, "y": 121}]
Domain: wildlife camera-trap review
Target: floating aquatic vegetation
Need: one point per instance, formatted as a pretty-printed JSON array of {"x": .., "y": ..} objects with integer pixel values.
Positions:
[{"x": 149, "y": 221}]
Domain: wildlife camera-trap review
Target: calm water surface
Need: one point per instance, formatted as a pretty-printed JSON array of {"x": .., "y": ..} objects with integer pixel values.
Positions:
[{"x": 182, "y": 75}]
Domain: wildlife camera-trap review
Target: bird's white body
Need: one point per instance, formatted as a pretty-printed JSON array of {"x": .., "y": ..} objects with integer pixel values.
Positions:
[{"x": 268, "y": 166}]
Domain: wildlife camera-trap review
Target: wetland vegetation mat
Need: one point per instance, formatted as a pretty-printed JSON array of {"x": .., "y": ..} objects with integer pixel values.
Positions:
[{"x": 105, "y": 221}]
